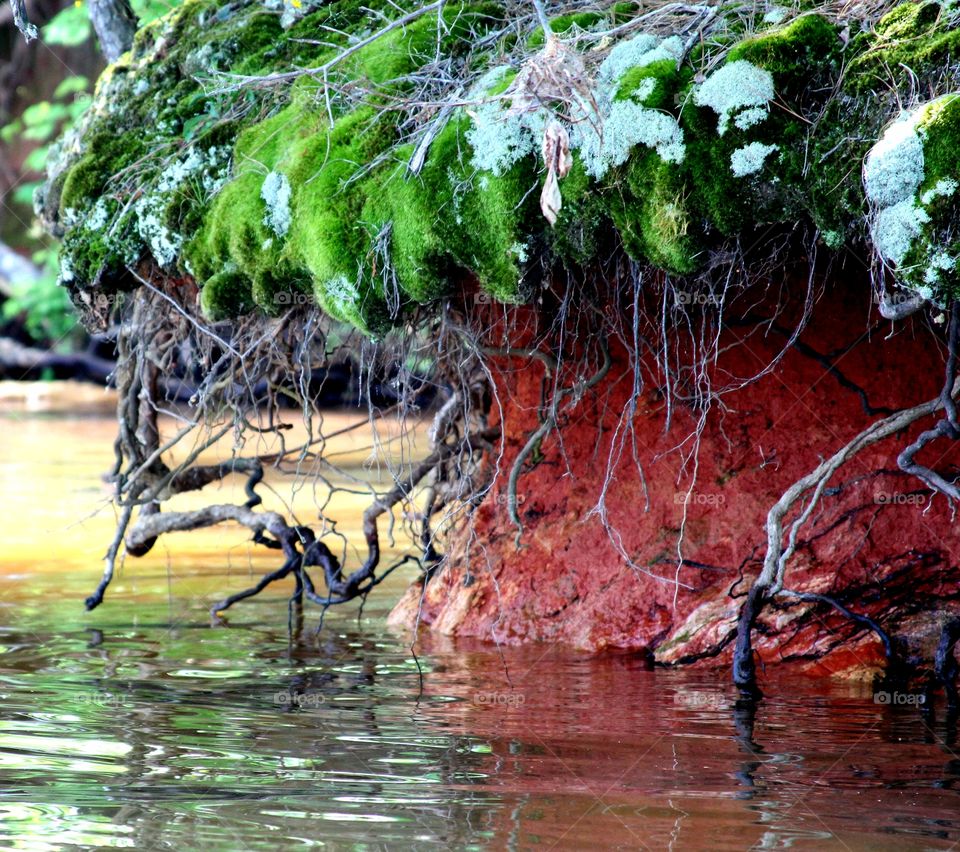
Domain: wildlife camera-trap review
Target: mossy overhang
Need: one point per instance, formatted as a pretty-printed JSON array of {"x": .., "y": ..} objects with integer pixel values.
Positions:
[{"x": 277, "y": 155}]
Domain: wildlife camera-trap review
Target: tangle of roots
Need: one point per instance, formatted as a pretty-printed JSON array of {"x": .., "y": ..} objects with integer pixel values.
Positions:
[{"x": 253, "y": 375}]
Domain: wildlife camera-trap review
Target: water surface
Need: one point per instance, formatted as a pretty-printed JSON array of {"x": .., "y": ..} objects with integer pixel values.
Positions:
[{"x": 142, "y": 726}]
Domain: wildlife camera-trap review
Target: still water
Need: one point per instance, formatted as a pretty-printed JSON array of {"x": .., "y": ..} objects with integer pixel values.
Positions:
[{"x": 142, "y": 726}]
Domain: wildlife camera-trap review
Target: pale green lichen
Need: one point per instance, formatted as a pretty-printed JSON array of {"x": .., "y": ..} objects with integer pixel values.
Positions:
[
  {"x": 737, "y": 86},
  {"x": 833, "y": 239},
  {"x": 776, "y": 15},
  {"x": 275, "y": 193},
  {"x": 905, "y": 226},
  {"x": 99, "y": 216},
  {"x": 292, "y": 11},
  {"x": 604, "y": 132},
  {"x": 340, "y": 295},
  {"x": 745, "y": 119},
  {"x": 208, "y": 169},
  {"x": 520, "y": 251},
  {"x": 896, "y": 227},
  {"x": 626, "y": 125},
  {"x": 497, "y": 139},
  {"x": 66, "y": 273},
  {"x": 894, "y": 167},
  {"x": 646, "y": 88},
  {"x": 164, "y": 244},
  {"x": 940, "y": 262},
  {"x": 637, "y": 52},
  {"x": 750, "y": 158},
  {"x": 944, "y": 188}
]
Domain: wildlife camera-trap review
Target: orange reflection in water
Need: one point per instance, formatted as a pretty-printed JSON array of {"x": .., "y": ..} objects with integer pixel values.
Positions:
[{"x": 56, "y": 515}]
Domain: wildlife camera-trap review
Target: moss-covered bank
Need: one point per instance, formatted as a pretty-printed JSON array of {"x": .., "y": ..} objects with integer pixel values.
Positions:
[{"x": 406, "y": 165}]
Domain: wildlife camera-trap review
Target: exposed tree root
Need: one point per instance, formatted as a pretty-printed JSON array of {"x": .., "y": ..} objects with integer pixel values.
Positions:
[
  {"x": 549, "y": 421},
  {"x": 889, "y": 649},
  {"x": 144, "y": 481},
  {"x": 255, "y": 368},
  {"x": 948, "y": 427},
  {"x": 944, "y": 663},
  {"x": 781, "y": 546}
]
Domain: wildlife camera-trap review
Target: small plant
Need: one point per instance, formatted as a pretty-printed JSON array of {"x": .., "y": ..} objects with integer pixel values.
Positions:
[{"x": 48, "y": 315}]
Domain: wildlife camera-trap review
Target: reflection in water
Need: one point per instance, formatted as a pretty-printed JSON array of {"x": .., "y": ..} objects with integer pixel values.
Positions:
[
  {"x": 141, "y": 726},
  {"x": 744, "y": 721}
]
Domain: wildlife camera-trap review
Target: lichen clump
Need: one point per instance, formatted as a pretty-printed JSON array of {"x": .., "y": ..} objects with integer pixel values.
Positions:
[
  {"x": 326, "y": 186},
  {"x": 911, "y": 180},
  {"x": 740, "y": 91}
]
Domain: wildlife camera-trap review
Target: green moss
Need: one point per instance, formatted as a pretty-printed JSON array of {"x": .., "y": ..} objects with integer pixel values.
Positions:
[
  {"x": 665, "y": 230},
  {"x": 797, "y": 54},
  {"x": 940, "y": 128},
  {"x": 563, "y": 24},
  {"x": 484, "y": 218},
  {"x": 804, "y": 58},
  {"x": 278, "y": 287},
  {"x": 327, "y": 165},
  {"x": 90, "y": 258},
  {"x": 931, "y": 265},
  {"x": 667, "y": 79},
  {"x": 910, "y": 45},
  {"x": 718, "y": 196},
  {"x": 106, "y": 154},
  {"x": 450, "y": 219},
  {"x": 831, "y": 171},
  {"x": 582, "y": 226},
  {"x": 404, "y": 209},
  {"x": 227, "y": 294},
  {"x": 367, "y": 239},
  {"x": 327, "y": 243},
  {"x": 618, "y": 13}
]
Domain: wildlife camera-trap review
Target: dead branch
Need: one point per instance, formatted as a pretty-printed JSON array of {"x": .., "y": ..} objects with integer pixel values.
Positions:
[
  {"x": 779, "y": 552},
  {"x": 28, "y": 30}
]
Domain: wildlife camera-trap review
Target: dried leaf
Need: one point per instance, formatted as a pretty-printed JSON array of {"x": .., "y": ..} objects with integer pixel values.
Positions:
[
  {"x": 556, "y": 149},
  {"x": 558, "y": 160},
  {"x": 550, "y": 200}
]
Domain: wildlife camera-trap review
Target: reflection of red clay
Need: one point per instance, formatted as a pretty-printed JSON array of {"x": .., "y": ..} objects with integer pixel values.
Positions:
[
  {"x": 601, "y": 755},
  {"x": 879, "y": 542}
]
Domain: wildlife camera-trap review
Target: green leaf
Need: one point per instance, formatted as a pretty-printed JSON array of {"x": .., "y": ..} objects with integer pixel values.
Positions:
[
  {"x": 71, "y": 27},
  {"x": 42, "y": 113},
  {"x": 40, "y": 132},
  {"x": 45, "y": 305},
  {"x": 70, "y": 86},
  {"x": 150, "y": 10},
  {"x": 9, "y": 131},
  {"x": 41, "y": 120},
  {"x": 23, "y": 194},
  {"x": 79, "y": 106},
  {"x": 36, "y": 113},
  {"x": 37, "y": 159}
]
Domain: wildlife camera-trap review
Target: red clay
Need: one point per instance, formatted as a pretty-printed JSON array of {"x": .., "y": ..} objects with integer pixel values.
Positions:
[{"x": 881, "y": 543}]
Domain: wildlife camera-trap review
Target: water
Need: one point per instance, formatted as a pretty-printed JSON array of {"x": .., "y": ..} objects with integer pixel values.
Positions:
[{"x": 142, "y": 726}]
